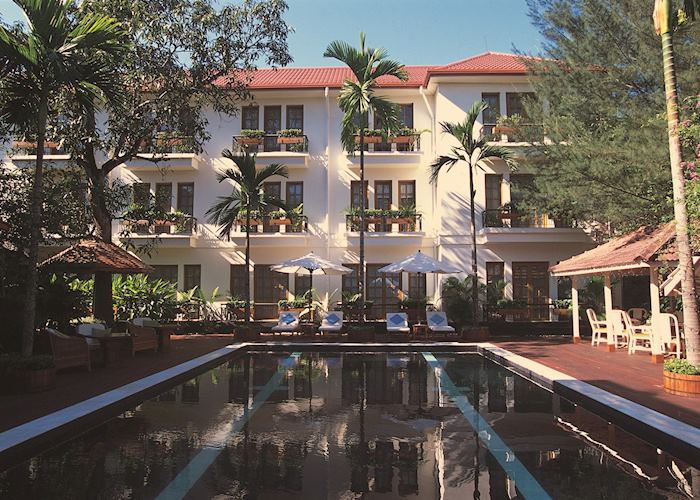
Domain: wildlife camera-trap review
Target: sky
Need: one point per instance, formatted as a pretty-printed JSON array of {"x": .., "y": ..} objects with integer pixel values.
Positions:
[{"x": 415, "y": 32}]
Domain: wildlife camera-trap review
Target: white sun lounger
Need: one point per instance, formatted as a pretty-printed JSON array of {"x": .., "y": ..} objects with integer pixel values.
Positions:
[
  {"x": 437, "y": 322},
  {"x": 288, "y": 322},
  {"x": 332, "y": 322},
  {"x": 397, "y": 323}
]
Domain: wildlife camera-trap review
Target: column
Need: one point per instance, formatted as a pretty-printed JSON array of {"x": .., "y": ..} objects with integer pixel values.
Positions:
[
  {"x": 575, "y": 311},
  {"x": 608, "y": 312},
  {"x": 657, "y": 355}
]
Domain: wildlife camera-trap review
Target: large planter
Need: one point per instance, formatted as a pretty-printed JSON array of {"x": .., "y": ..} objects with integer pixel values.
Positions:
[
  {"x": 402, "y": 139},
  {"x": 291, "y": 140},
  {"x": 250, "y": 141},
  {"x": 280, "y": 222},
  {"x": 34, "y": 380},
  {"x": 682, "y": 385},
  {"x": 369, "y": 139},
  {"x": 475, "y": 333}
]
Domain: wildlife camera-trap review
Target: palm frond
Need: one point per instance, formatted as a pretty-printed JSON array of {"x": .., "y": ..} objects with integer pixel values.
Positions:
[{"x": 442, "y": 162}]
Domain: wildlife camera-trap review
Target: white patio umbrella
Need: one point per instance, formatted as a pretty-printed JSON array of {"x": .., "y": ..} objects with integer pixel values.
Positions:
[
  {"x": 420, "y": 263},
  {"x": 310, "y": 263}
]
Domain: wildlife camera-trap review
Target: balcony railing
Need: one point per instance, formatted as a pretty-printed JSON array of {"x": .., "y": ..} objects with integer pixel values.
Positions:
[
  {"x": 270, "y": 143},
  {"x": 134, "y": 228},
  {"x": 526, "y": 132},
  {"x": 501, "y": 217},
  {"x": 398, "y": 144},
  {"x": 385, "y": 224},
  {"x": 28, "y": 148},
  {"x": 270, "y": 225},
  {"x": 169, "y": 144}
]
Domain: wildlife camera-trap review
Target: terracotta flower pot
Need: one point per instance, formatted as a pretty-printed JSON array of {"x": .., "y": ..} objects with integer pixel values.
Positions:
[
  {"x": 369, "y": 139},
  {"x": 682, "y": 385},
  {"x": 290, "y": 140},
  {"x": 280, "y": 222},
  {"x": 402, "y": 139},
  {"x": 250, "y": 141}
]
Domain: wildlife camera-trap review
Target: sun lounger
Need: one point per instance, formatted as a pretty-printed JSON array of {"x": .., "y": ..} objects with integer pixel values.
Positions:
[
  {"x": 332, "y": 322},
  {"x": 397, "y": 323},
  {"x": 288, "y": 322},
  {"x": 437, "y": 323}
]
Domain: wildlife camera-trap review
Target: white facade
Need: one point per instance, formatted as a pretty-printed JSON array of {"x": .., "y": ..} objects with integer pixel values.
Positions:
[{"x": 327, "y": 172}]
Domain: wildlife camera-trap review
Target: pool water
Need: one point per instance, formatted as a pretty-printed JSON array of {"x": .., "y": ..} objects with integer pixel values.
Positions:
[{"x": 353, "y": 425}]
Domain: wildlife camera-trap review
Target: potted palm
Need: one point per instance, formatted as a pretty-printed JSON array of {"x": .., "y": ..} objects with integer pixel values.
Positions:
[
  {"x": 35, "y": 373},
  {"x": 251, "y": 137},
  {"x": 681, "y": 377}
]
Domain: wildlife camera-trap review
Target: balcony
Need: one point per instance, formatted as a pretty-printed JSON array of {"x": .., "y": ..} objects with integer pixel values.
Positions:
[
  {"x": 504, "y": 225},
  {"x": 171, "y": 152},
  {"x": 291, "y": 150},
  {"x": 272, "y": 230},
  {"x": 164, "y": 233},
  {"x": 516, "y": 134},
  {"x": 385, "y": 229},
  {"x": 380, "y": 151},
  {"x": 23, "y": 153}
]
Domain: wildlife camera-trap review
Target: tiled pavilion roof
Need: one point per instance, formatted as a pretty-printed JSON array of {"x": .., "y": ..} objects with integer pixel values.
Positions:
[{"x": 91, "y": 256}]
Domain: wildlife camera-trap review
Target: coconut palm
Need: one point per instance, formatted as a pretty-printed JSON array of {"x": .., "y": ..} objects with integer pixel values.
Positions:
[
  {"x": 665, "y": 23},
  {"x": 474, "y": 151},
  {"x": 248, "y": 195},
  {"x": 356, "y": 99},
  {"x": 63, "y": 51}
]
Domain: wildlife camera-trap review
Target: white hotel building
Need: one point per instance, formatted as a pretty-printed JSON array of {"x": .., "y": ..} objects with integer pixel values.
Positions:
[{"x": 326, "y": 180}]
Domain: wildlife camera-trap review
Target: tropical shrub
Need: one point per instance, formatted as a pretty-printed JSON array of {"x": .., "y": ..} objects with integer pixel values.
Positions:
[
  {"x": 60, "y": 301},
  {"x": 457, "y": 299},
  {"x": 290, "y": 132},
  {"x": 137, "y": 296},
  {"x": 681, "y": 366},
  {"x": 253, "y": 133}
]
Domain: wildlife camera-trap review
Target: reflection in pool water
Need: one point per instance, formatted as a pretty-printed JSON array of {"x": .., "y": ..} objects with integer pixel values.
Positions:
[{"x": 347, "y": 425}]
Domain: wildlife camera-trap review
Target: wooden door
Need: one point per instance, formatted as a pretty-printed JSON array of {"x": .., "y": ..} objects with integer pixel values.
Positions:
[
  {"x": 270, "y": 287},
  {"x": 531, "y": 285},
  {"x": 273, "y": 123}
]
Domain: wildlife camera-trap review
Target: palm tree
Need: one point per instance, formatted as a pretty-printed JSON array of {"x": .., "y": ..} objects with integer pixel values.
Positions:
[
  {"x": 665, "y": 23},
  {"x": 247, "y": 195},
  {"x": 64, "y": 50},
  {"x": 474, "y": 152},
  {"x": 356, "y": 99}
]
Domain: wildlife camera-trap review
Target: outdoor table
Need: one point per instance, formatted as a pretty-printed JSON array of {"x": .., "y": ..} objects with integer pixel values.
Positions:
[
  {"x": 113, "y": 346},
  {"x": 419, "y": 329},
  {"x": 308, "y": 329}
]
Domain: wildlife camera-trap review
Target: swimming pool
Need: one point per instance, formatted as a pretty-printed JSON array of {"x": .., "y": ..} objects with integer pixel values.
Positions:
[{"x": 351, "y": 425}]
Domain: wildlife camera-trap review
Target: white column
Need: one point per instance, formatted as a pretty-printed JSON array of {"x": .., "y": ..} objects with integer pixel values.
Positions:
[
  {"x": 656, "y": 351},
  {"x": 608, "y": 309},
  {"x": 574, "y": 312}
]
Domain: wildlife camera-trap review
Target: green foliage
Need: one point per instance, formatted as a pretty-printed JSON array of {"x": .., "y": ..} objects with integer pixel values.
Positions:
[
  {"x": 607, "y": 158},
  {"x": 137, "y": 296},
  {"x": 375, "y": 132},
  {"x": 253, "y": 133},
  {"x": 35, "y": 362},
  {"x": 290, "y": 132},
  {"x": 237, "y": 302},
  {"x": 457, "y": 299},
  {"x": 562, "y": 304},
  {"x": 413, "y": 302},
  {"x": 60, "y": 301},
  {"x": 681, "y": 366},
  {"x": 296, "y": 302},
  {"x": 495, "y": 292}
]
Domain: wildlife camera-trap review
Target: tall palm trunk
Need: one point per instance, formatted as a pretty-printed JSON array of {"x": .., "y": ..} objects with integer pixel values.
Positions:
[
  {"x": 247, "y": 264},
  {"x": 691, "y": 324},
  {"x": 475, "y": 268},
  {"x": 102, "y": 289},
  {"x": 36, "y": 201},
  {"x": 361, "y": 275}
]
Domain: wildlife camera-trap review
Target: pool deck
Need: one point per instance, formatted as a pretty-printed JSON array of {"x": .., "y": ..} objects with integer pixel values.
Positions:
[{"x": 633, "y": 377}]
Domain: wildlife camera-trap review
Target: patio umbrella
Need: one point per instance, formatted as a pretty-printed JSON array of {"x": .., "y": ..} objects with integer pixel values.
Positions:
[
  {"x": 310, "y": 263},
  {"x": 419, "y": 263}
]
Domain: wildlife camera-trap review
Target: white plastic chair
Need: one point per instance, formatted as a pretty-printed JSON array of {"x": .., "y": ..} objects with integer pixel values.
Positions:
[
  {"x": 599, "y": 328},
  {"x": 397, "y": 323},
  {"x": 437, "y": 322},
  {"x": 638, "y": 313},
  {"x": 332, "y": 322},
  {"x": 288, "y": 322},
  {"x": 638, "y": 336},
  {"x": 670, "y": 334},
  {"x": 618, "y": 331}
]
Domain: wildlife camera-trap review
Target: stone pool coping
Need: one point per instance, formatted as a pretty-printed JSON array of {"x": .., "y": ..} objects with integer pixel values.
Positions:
[{"x": 23, "y": 441}]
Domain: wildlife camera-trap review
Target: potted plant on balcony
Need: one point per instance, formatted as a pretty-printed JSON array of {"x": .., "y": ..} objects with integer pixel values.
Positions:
[
  {"x": 138, "y": 215},
  {"x": 374, "y": 215},
  {"x": 405, "y": 215},
  {"x": 290, "y": 136},
  {"x": 251, "y": 137},
  {"x": 681, "y": 377},
  {"x": 32, "y": 373},
  {"x": 170, "y": 218},
  {"x": 562, "y": 308},
  {"x": 372, "y": 136},
  {"x": 255, "y": 219}
]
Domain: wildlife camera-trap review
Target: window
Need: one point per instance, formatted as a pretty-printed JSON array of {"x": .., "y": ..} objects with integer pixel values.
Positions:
[
  {"x": 490, "y": 114},
  {"x": 350, "y": 280},
  {"x": 531, "y": 285},
  {"x": 165, "y": 273},
  {"x": 270, "y": 287},
  {"x": 417, "y": 287},
  {"x": 141, "y": 193},
  {"x": 273, "y": 123},
  {"x": 514, "y": 103},
  {"x": 250, "y": 118},
  {"x": 295, "y": 117},
  {"x": 295, "y": 197},
  {"x": 494, "y": 274},
  {"x": 185, "y": 202},
  {"x": 273, "y": 190},
  {"x": 407, "y": 198},
  {"x": 406, "y": 115},
  {"x": 383, "y": 289},
  {"x": 164, "y": 196},
  {"x": 382, "y": 201},
  {"x": 493, "y": 191},
  {"x": 237, "y": 281},
  {"x": 355, "y": 199},
  {"x": 193, "y": 276}
]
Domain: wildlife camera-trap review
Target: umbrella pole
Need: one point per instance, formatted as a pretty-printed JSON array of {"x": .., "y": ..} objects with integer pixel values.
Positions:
[{"x": 311, "y": 287}]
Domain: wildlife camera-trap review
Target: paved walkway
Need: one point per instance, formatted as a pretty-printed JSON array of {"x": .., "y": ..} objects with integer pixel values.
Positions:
[{"x": 633, "y": 377}]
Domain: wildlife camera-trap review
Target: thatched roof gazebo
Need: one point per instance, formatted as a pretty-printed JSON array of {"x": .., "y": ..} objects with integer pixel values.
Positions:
[
  {"x": 92, "y": 256},
  {"x": 642, "y": 251}
]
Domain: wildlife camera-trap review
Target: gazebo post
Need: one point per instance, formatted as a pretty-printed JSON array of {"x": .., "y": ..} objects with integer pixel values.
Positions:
[
  {"x": 657, "y": 355},
  {"x": 574, "y": 306},
  {"x": 608, "y": 310}
]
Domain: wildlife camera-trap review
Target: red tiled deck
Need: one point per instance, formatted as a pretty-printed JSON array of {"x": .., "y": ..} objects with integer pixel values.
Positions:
[{"x": 633, "y": 377}]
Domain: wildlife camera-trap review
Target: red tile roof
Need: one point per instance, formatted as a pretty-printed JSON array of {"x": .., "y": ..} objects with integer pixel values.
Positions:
[
  {"x": 92, "y": 256},
  {"x": 644, "y": 245},
  {"x": 307, "y": 78}
]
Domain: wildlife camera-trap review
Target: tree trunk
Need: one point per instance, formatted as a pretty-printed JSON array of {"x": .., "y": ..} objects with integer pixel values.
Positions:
[
  {"x": 685, "y": 253},
  {"x": 102, "y": 290},
  {"x": 475, "y": 267},
  {"x": 361, "y": 274},
  {"x": 36, "y": 201},
  {"x": 247, "y": 264}
]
